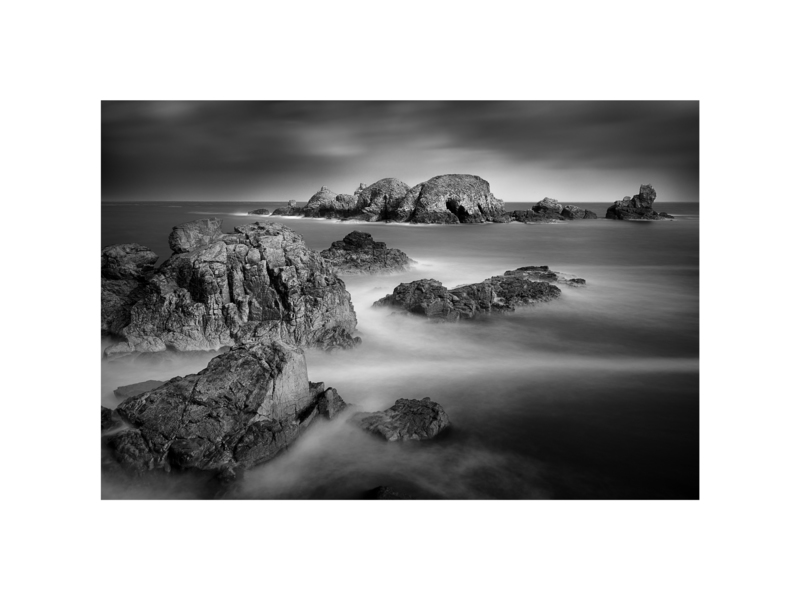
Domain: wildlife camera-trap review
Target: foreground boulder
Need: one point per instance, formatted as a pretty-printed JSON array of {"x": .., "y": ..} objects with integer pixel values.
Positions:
[
  {"x": 243, "y": 409},
  {"x": 359, "y": 253},
  {"x": 406, "y": 420},
  {"x": 525, "y": 286},
  {"x": 258, "y": 284},
  {"x": 638, "y": 208}
]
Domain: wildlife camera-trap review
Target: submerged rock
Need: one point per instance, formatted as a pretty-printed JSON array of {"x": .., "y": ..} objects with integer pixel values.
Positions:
[
  {"x": 638, "y": 208},
  {"x": 126, "y": 391},
  {"x": 260, "y": 283},
  {"x": 260, "y": 211},
  {"x": 525, "y": 286},
  {"x": 359, "y": 253},
  {"x": 405, "y": 420},
  {"x": 242, "y": 409}
]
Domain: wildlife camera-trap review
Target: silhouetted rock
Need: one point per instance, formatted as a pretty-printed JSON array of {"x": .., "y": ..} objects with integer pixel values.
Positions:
[
  {"x": 260, "y": 283},
  {"x": 384, "y": 492},
  {"x": 126, "y": 391},
  {"x": 260, "y": 211},
  {"x": 638, "y": 208},
  {"x": 242, "y": 409},
  {"x": 290, "y": 210},
  {"x": 359, "y": 253},
  {"x": 522, "y": 287},
  {"x": 109, "y": 419},
  {"x": 405, "y": 420}
]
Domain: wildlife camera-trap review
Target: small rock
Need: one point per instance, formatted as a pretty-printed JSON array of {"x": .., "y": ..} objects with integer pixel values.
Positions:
[{"x": 407, "y": 419}]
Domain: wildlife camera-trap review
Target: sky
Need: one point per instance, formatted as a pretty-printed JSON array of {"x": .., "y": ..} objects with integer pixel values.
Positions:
[{"x": 575, "y": 152}]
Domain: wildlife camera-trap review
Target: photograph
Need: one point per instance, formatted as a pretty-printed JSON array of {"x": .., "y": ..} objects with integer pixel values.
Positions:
[{"x": 400, "y": 300}]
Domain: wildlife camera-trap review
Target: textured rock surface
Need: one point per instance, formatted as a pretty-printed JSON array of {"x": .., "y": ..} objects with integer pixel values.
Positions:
[
  {"x": 244, "y": 408},
  {"x": 521, "y": 287},
  {"x": 327, "y": 204},
  {"x": 450, "y": 199},
  {"x": 405, "y": 420},
  {"x": 259, "y": 211},
  {"x": 576, "y": 212},
  {"x": 638, "y": 208},
  {"x": 126, "y": 391},
  {"x": 531, "y": 216},
  {"x": 359, "y": 253},
  {"x": 381, "y": 200},
  {"x": 124, "y": 270},
  {"x": 260, "y": 283}
]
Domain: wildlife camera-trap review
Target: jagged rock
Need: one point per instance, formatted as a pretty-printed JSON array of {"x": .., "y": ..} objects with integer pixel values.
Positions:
[
  {"x": 126, "y": 391},
  {"x": 576, "y": 212},
  {"x": 549, "y": 209},
  {"x": 381, "y": 200},
  {"x": 327, "y": 204},
  {"x": 522, "y": 287},
  {"x": 359, "y": 253},
  {"x": 260, "y": 211},
  {"x": 242, "y": 409},
  {"x": 261, "y": 283},
  {"x": 450, "y": 199},
  {"x": 190, "y": 236},
  {"x": 124, "y": 269},
  {"x": 290, "y": 210},
  {"x": 638, "y": 208},
  {"x": 109, "y": 419},
  {"x": 406, "y": 420}
]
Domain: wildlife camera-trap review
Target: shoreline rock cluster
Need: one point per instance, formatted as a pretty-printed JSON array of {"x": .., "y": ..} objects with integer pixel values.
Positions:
[
  {"x": 525, "y": 286},
  {"x": 638, "y": 208},
  {"x": 259, "y": 283},
  {"x": 453, "y": 199},
  {"x": 359, "y": 253}
]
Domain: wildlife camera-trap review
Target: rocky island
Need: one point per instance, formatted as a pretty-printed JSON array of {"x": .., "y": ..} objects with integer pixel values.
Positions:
[
  {"x": 359, "y": 253},
  {"x": 260, "y": 283},
  {"x": 263, "y": 212},
  {"x": 638, "y": 208},
  {"x": 522, "y": 287}
]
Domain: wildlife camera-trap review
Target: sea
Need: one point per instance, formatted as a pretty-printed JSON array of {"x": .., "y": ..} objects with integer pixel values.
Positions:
[{"x": 592, "y": 396}]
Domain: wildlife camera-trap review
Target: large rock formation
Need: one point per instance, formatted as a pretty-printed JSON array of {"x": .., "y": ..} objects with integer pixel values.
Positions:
[
  {"x": 405, "y": 420},
  {"x": 576, "y": 212},
  {"x": 450, "y": 199},
  {"x": 125, "y": 268},
  {"x": 260, "y": 283},
  {"x": 247, "y": 405},
  {"x": 638, "y": 208},
  {"x": 359, "y": 253},
  {"x": 522, "y": 287},
  {"x": 329, "y": 205},
  {"x": 381, "y": 200}
]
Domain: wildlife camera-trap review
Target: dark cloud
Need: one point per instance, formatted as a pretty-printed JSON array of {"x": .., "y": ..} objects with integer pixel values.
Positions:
[{"x": 277, "y": 150}]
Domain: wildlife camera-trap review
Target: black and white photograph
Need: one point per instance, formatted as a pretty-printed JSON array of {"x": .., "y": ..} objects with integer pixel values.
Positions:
[
  {"x": 400, "y": 300},
  {"x": 524, "y": 270}
]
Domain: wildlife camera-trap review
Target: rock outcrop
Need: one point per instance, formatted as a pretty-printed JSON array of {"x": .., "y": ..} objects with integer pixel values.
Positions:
[
  {"x": 576, "y": 212},
  {"x": 260, "y": 211},
  {"x": 246, "y": 406},
  {"x": 134, "y": 389},
  {"x": 450, "y": 199},
  {"x": 638, "y": 208},
  {"x": 359, "y": 253},
  {"x": 260, "y": 283},
  {"x": 522, "y": 287},
  {"x": 405, "y": 420},
  {"x": 289, "y": 210},
  {"x": 125, "y": 268}
]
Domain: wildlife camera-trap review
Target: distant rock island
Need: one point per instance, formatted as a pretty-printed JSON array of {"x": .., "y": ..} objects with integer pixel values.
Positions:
[
  {"x": 452, "y": 199},
  {"x": 638, "y": 208},
  {"x": 359, "y": 253},
  {"x": 222, "y": 289},
  {"x": 504, "y": 293},
  {"x": 263, "y": 212}
]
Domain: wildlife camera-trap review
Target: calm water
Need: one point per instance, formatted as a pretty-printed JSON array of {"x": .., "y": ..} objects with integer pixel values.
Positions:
[{"x": 594, "y": 395}]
